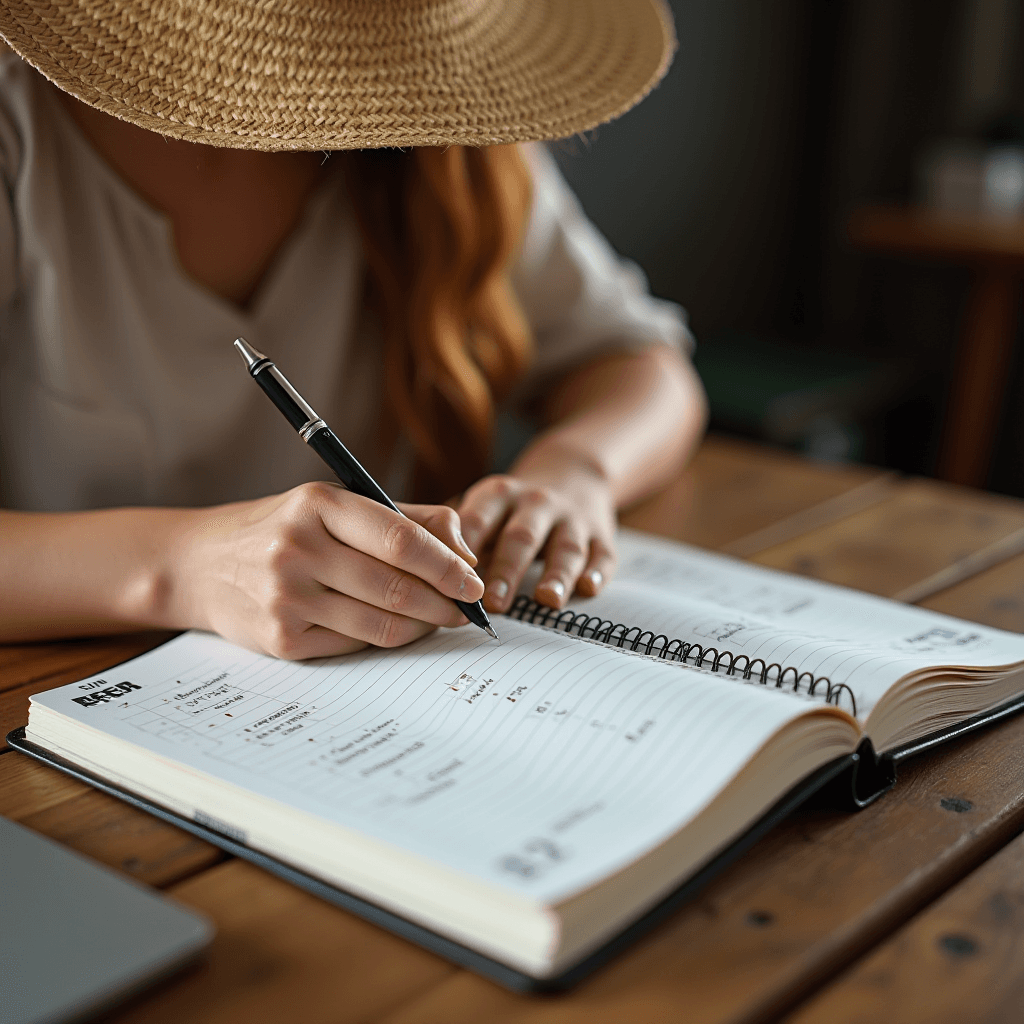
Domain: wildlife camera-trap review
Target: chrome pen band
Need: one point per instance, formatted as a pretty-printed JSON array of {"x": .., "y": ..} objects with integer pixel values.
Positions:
[
  {"x": 271, "y": 370},
  {"x": 311, "y": 428}
]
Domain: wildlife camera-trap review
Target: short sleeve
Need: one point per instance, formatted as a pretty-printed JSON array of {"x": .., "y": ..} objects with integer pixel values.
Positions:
[{"x": 581, "y": 299}]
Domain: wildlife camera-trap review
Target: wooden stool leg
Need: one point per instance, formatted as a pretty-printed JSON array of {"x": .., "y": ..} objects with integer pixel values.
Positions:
[{"x": 979, "y": 382}]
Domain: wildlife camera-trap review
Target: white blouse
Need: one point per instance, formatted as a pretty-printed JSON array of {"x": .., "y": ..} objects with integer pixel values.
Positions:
[{"x": 119, "y": 384}]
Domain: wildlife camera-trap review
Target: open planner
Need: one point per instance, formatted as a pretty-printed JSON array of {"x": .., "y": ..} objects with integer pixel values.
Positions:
[{"x": 527, "y": 808}]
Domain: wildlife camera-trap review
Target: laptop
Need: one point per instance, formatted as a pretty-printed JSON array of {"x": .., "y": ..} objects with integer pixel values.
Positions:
[{"x": 77, "y": 937}]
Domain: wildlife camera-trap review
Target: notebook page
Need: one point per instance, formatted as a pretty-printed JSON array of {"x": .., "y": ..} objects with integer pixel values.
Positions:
[
  {"x": 857, "y": 639},
  {"x": 539, "y": 765}
]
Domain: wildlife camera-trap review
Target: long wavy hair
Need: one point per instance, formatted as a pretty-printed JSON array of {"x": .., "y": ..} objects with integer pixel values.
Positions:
[{"x": 439, "y": 230}]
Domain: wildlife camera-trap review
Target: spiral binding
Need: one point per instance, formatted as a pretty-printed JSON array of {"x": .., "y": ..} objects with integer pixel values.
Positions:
[{"x": 593, "y": 627}]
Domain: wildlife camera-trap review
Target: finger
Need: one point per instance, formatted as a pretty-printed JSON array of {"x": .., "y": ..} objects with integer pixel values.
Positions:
[
  {"x": 401, "y": 542},
  {"x": 363, "y": 622},
  {"x": 565, "y": 557},
  {"x": 599, "y": 569},
  {"x": 376, "y": 583},
  {"x": 443, "y": 522},
  {"x": 485, "y": 508},
  {"x": 317, "y": 642},
  {"x": 517, "y": 546},
  {"x": 295, "y": 640}
]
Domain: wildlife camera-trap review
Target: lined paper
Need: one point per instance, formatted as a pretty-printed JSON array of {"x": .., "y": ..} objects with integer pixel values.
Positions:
[
  {"x": 540, "y": 765},
  {"x": 852, "y": 638}
]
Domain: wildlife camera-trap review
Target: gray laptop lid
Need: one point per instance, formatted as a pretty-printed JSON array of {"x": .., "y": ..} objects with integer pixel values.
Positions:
[{"x": 75, "y": 936}]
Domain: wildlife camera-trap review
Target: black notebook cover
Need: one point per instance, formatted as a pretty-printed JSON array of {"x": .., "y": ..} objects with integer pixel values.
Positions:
[
  {"x": 851, "y": 782},
  {"x": 826, "y": 777}
]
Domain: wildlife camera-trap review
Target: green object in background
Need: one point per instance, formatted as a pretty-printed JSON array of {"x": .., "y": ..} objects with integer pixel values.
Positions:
[{"x": 811, "y": 399}]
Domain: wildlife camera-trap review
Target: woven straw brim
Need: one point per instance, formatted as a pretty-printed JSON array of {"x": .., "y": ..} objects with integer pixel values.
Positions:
[{"x": 349, "y": 74}]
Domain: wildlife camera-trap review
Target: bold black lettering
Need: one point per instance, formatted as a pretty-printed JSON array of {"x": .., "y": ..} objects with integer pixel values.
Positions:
[{"x": 110, "y": 693}]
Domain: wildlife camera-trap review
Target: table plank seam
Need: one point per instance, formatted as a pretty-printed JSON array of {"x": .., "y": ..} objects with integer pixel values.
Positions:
[
  {"x": 190, "y": 873},
  {"x": 903, "y": 909},
  {"x": 849, "y": 503},
  {"x": 880, "y": 509},
  {"x": 966, "y": 568},
  {"x": 48, "y": 675}
]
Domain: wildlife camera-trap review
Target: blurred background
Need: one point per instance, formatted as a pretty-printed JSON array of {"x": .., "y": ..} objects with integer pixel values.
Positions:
[{"x": 835, "y": 192}]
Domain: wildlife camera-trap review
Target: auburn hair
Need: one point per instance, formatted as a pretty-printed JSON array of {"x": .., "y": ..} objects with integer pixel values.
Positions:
[{"x": 439, "y": 229}]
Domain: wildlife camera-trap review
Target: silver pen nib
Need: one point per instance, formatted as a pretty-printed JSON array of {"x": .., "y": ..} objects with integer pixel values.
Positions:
[
  {"x": 492, "y": 634},
  {"x": 249, "y": 355}
]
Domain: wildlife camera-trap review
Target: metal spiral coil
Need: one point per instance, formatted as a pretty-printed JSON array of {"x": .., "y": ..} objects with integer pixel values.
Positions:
[{"x": 633, "y": 638}]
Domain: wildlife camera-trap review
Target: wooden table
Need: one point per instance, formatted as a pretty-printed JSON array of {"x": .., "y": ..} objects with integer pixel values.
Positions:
[
  {"x": 912, "y": 910},
  {"x": 992, "y": 248}
]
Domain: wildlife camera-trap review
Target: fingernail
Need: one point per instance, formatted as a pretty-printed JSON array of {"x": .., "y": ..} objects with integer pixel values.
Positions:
[
  {"x": 557, "y": 587},
  {"x": 498, "y": 589},
  {"x": 596, "y": 577},
  {"x": 471, "y": 579},
  {"x": 461, "y": 541}
]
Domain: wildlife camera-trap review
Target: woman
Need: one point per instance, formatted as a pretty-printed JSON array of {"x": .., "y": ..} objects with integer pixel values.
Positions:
[{"x": 216, "y": 169}]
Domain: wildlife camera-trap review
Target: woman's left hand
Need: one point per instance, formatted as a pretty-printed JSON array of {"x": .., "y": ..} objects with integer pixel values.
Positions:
[{"x": 567, "y": 517}]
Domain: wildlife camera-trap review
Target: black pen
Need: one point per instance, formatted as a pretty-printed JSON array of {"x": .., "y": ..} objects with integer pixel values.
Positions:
[{"x": 325, "y": 443}]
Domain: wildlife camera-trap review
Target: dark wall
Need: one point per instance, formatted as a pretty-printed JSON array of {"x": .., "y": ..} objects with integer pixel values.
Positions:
[
  {"x": 699, "y": 182},
  {"x": 732, "y": 184}
]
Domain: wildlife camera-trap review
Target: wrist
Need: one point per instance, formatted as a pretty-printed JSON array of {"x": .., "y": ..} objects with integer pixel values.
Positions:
[
  {"x": 154, "y": 593},
  {"x": 557, "y": 462}
]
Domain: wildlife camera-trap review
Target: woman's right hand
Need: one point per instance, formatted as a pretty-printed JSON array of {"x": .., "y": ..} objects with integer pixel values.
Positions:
[{"x": 319, "y": 571}]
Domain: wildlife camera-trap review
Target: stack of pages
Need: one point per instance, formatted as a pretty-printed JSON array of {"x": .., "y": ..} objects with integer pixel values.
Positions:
[{"x": 527, "y": 803}]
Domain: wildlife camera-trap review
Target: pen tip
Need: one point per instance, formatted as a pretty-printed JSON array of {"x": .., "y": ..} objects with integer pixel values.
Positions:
[
  {"x": 492, "y": 634},
  {"x": 250, "y": 356}
]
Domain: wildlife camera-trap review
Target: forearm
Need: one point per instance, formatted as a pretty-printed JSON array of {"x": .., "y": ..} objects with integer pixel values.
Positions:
[
  {"x": 633, "y": 419},
  {"x": 313, "y": 572},
  {"x": 85, "y": 573}
]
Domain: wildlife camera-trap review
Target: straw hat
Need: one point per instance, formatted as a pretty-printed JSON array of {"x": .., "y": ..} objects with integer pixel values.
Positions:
[{"x": 347, "y": 74}]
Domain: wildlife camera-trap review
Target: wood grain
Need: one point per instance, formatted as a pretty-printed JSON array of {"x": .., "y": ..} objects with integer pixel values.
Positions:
[
  {"x": 924, "y": 527},
  {"x": 918, "y": 231},
  {"x": 803, "y": 905},
  {"x": 807, "y": 899},
  {"x": 810, "y": 898},
  {"x": 21, "y": 663},
  {"x": 962, "y": 959},
  {"x": 995, "y": 597},
  {"x": 31, "y": 668},
  {"x": 281, "y": 955},
  {"x": 872, "y": 492},
  {"x": 98, "y": 825},
  {"x": 999, "y": 551},
  {"x": 980, "y": 375},
  {"x": 733, "y": 489}
]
